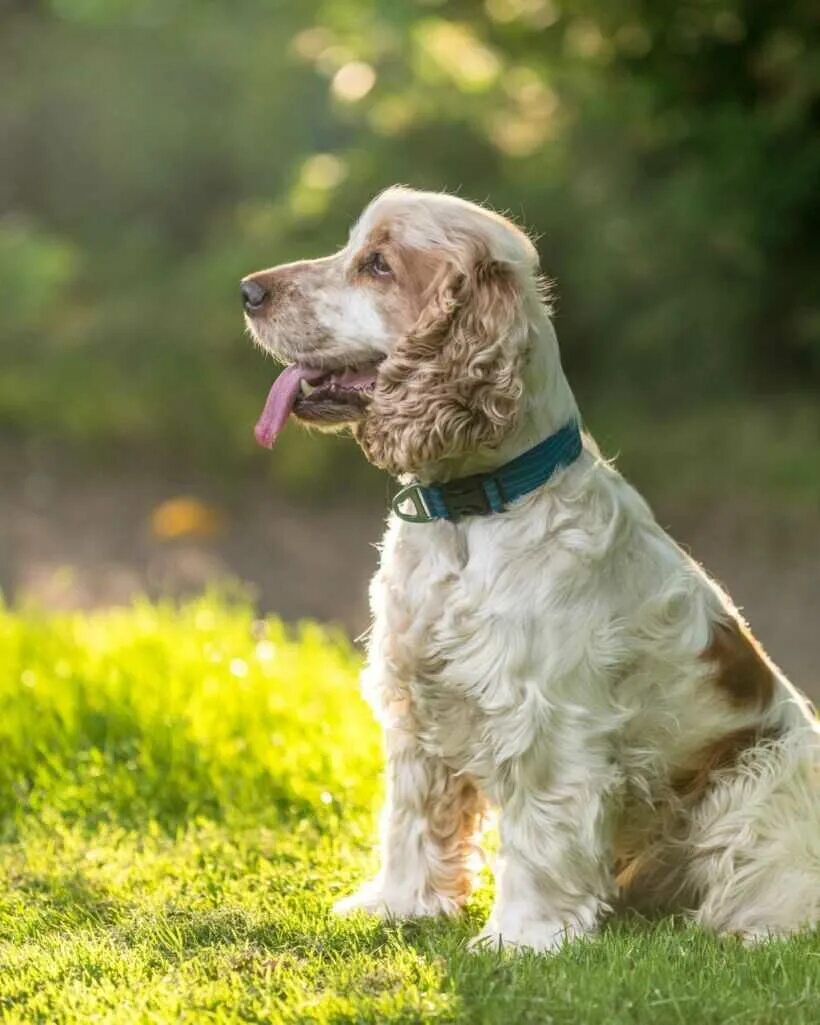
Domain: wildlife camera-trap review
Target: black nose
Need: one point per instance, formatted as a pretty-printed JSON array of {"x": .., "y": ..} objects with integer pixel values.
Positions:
[{"x": 253, "y": 295}]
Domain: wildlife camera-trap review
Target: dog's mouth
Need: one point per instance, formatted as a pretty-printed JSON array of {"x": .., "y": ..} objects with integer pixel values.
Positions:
[{"x": 331, "y": 397}]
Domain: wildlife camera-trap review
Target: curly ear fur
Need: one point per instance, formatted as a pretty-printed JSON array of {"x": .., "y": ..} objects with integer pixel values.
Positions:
[{"x": 453, "y": 385}]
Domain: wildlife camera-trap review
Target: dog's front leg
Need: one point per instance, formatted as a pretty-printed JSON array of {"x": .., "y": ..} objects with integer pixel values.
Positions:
[
  {"x": 553, "y": 877},
  {"x": 428, "y": 837}
]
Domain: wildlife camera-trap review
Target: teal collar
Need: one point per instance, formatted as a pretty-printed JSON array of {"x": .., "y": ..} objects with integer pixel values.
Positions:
[{"x": 485, "y": 493}]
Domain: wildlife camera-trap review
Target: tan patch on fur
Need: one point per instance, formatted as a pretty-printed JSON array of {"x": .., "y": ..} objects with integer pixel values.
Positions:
[
  {"x": 742, "y": 670},
  {"x": 454, "y": 824},
  {"x": 378, "y": 240},
  {"x": 415, "y": 275},
  {"x": 420, "y": 273},
  {"x": 651, "y": 863},
  {"x": 720, "y": 754},
  {"x": 416, "y": 272}
]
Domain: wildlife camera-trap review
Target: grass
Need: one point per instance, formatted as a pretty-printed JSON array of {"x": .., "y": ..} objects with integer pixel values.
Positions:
[{"x": 183, "y": 794}]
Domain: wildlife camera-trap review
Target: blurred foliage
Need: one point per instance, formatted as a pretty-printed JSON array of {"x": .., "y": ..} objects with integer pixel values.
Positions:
[{"x": 156, "y": 150}]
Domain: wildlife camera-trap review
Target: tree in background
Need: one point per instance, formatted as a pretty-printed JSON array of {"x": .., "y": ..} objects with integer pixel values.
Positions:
[{"x": 156, "y": 150}]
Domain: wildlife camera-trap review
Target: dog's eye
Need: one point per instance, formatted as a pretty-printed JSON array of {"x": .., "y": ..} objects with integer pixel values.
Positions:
[{"x": 377, "y": 266}]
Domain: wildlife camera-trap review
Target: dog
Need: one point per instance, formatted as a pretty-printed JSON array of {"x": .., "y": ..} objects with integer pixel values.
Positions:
[{"x": 539, "y": 644}]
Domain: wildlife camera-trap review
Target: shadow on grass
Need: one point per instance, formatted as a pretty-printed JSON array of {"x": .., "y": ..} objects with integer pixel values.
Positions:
[{"x": 64, "y": 902}]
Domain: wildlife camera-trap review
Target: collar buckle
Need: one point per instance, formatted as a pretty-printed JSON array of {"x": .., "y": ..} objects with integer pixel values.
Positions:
[
  {"x": 414, "y": 495},
  {"x": 466, "y": 497}
]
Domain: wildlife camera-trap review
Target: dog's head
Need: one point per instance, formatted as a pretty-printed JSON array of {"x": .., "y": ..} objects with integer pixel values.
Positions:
[{"x": 415, "y": 334}]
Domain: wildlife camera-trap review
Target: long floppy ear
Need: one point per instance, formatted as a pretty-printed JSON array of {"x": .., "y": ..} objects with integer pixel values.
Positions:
[{"x": 453, "y": 385}]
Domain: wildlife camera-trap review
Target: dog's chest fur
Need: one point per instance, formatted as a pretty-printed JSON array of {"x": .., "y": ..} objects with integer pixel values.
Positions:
[
  {"x": 483, "y": 627},
  {"x": 508, "y": 645}
]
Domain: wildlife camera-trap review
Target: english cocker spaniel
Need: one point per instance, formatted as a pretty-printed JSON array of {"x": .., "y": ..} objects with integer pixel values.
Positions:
[{"x": 539, "y": 643}]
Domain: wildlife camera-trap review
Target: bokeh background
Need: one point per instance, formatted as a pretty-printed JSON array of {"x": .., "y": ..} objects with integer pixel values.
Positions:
[{"x": 666, "y": 155}]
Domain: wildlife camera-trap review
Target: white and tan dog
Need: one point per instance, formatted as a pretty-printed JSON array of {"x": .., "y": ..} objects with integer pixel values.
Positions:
[{"x": 562, "y": 660}]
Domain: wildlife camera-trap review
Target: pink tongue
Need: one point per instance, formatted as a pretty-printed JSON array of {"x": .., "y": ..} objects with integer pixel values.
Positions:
[{"x": 280, "y": 402}]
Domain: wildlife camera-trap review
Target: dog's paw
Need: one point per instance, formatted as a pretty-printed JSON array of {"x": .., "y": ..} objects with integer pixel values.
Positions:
[
  {"x": 539, "y": 936},
  {"x": 374, "y": 899},
  {"x": 367, "y": 898}
]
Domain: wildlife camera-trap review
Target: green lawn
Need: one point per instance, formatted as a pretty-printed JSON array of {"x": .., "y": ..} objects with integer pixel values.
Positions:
[{"x": 183, "y": 794}]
